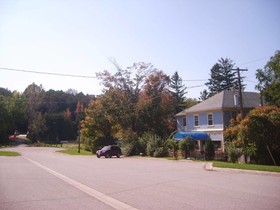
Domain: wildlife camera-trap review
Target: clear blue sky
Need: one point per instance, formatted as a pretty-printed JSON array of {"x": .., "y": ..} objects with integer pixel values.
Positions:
[{"x": 79, "y": 37}]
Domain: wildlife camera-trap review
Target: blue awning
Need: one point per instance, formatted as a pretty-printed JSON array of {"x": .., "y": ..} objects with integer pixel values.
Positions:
[{"x": 203, "y": 136}]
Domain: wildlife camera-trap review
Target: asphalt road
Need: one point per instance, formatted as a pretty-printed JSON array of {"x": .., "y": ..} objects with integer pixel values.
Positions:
[{"x": 44, "y": 179}]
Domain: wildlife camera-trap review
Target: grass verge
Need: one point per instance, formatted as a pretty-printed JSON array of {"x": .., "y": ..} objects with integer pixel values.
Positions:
[
  {"x": 74, "y": 151},
  {"x": 220, "y": 164},
  {"x": 9, "y": 153}
]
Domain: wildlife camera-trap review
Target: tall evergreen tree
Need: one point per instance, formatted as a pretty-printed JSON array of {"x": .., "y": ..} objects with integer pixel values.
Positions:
[
  {"x": 204, "y": 95},
  {"x": 178, "y": 91},
  {"x": 222, "y": 77}
]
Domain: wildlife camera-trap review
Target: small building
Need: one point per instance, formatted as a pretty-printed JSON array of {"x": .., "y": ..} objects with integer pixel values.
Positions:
[{"x": 213, "y": 115}]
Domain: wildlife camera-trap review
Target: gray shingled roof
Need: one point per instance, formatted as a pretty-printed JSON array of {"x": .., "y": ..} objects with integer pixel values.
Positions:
[{"x": 223, "y": 100}]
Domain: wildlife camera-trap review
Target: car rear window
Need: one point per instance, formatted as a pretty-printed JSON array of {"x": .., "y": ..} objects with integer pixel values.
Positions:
[{"x": 106, "y": 148}]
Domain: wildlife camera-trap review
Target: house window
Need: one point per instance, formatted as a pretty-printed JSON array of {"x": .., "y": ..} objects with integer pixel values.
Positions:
[
  {"x": 217, "y": 144},
  {"x": 184, "y": 122},
  {"x": 196, "y": 121},
  {"x": 210, "y": 119}
]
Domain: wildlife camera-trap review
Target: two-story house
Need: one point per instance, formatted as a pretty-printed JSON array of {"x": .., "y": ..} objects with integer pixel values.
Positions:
[{"x": 212, "y": 116}]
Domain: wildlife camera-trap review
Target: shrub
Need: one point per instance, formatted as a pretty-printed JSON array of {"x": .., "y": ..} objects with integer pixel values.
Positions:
[
  {"x": 94, "y": 144},
  {"x": 160, "y": 152},
  {"x": 130, "y": 145},
  {"x": 87, "y": 142},
  {"x": 27, "y": 141},
  {"x": 232, "y": 152},
  {"x": 186, "y": 146},
  {"x": 173, "y": 145},
  {"x": 256, "y": 134},
  {"x": 155, "y": 145},
  {"x": 209, "y": 150},
  {"x": 142, "y": 143},
  {"x": 128, "y": 148}
]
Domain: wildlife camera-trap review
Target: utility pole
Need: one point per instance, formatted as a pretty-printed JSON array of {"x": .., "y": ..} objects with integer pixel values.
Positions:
[{"x": 240, "y": 90}]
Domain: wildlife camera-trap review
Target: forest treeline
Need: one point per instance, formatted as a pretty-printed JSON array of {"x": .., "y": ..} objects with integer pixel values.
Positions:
[{"x": 47, "y": 116}]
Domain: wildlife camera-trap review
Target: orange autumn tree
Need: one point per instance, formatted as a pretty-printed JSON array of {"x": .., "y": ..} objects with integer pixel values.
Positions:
[
  {"x": 155, "y": 105},
  {"x": 259, "y": 131},
  {"x": 96, "y": 129}
]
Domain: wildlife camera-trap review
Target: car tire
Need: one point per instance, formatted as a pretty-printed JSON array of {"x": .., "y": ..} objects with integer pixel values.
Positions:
[
  {"x": 97, "y": 156},
  {"x": 107, "y": 156},
  {"x": 118, "y": 155}
]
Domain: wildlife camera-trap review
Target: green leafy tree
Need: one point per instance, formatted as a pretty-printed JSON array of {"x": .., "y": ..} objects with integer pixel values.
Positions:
[
  {"x": 12, "y": 115},
  {"x": 56, "y": 109},
  {"x": 189, "y": 102},
  {"x": 5, "y": 127},
  {"x": 34, "y": 96},
  {"x": 122, "y": 92},
  {"x": 16, "y": 109},
  {"x": 97, "y": 126},
  {"x": 59, "y": 128},
  {"x": 269, "y": 80},
  {"x": 37, "y": 128}
]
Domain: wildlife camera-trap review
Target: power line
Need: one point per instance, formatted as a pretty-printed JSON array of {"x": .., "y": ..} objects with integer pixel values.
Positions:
[
  {"x": 73, "y": 75},
  {"x": 253, "y": 61},
  {"x": 196, "y": 86},
  {"x": 48, "y": 73},
  {"x": 194, "y": 80},
  {"x": 90, "y": 77},
  {"x": 86, "y": 76}
]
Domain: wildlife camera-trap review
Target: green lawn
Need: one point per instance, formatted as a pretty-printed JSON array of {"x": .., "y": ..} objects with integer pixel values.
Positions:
[
  {"x": 9, "y": 153},
  {"x": 221, "y": 164},
  {"x": 74, "y": 151}
]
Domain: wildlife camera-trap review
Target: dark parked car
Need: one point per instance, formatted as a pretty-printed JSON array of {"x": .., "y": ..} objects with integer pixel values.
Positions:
[{"x": 109, "y": 151}]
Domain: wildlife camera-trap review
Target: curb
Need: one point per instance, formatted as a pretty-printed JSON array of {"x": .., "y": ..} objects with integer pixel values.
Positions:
[{"x": 209, "y": 167}]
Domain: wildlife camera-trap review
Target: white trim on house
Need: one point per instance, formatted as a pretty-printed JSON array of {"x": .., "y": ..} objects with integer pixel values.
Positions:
[
  {"x": 208, "y": 130},
  {"x": 210, "y": 114}
]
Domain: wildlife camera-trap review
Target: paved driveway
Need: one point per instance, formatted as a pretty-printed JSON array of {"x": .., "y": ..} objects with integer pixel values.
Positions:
[{"x": 44, "y": 179}]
